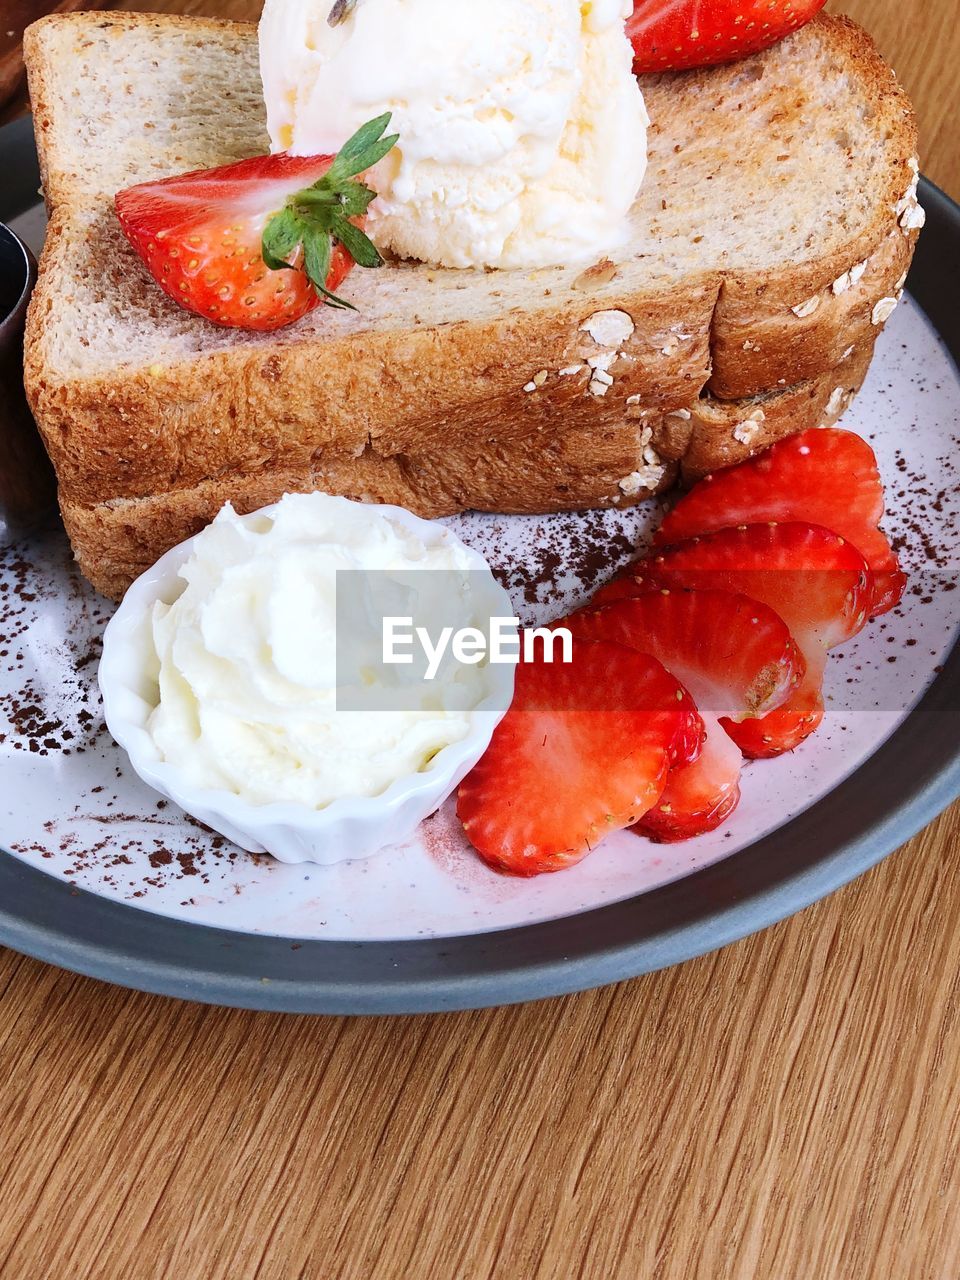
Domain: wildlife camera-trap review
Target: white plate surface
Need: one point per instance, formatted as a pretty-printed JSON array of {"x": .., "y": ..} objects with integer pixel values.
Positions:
[{"x": 70, "y": 805}]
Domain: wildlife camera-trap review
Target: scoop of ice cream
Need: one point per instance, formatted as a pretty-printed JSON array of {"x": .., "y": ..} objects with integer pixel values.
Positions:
[{"x": 522, "y": 127}]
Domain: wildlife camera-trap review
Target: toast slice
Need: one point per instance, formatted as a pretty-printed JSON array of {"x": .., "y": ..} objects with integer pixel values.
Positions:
[
  {"x": 548, "y": 470},
  {"x": 770, "y": 238}
]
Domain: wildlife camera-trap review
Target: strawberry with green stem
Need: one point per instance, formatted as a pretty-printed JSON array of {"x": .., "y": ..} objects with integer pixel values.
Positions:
[{"x": 258, "y": 244}]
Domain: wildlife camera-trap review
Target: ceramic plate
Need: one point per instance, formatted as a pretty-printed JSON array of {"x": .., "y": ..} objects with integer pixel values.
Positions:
[{"x": 102, "y": 876}]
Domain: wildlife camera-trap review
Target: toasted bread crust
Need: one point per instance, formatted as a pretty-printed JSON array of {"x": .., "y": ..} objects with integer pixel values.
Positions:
[
  {"x": 55, "y": 170},
  {"x": 725, "y": 432},
  {"x": 116, "y": 541},
  {"x": 438, "y": 415},
  {"x": 546, "y": 470},
  {"x": 757, "y": 338},
  {"x": 142, "y": 432}
]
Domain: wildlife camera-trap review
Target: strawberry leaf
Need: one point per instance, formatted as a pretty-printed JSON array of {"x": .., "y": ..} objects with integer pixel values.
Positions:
[
  {"x": 359, "y": 246},
  {"x": 355, "y": 199},
  {"x": 316, "y": 263},
  {"x": 314, "y": 218},
  {"x": 282, "y": 236},
  {"x": 363, "y": 150}
]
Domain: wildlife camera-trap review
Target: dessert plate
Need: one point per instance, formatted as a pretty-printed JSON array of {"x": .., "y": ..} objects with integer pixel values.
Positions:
[{"x": 100, "y": 875}]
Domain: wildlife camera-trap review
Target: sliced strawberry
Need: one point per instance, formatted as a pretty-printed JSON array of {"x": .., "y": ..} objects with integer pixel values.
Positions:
[
  {"x": 585, "y": 749},
  {"x": 737, "y": 658},
  {"x": 816, "y": 581},
  {"x": 258, "y": 244},
  {"x": 824, "y": 475},
  {"x": 813, "y": 578},
  {"x": 792, "y": 722},
  {"x": 669, "y": 35},
  {"x": 698, "y": 797}
]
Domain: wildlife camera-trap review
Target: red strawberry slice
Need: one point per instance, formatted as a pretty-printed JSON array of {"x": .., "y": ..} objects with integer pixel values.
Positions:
[
  {"x": 670, "y": 35},
  {"x": 815, "y": 580},
  {"x": 258, "y": 244},
  {"x": 784, "y": 729},
  {"x": 824, "y": 475},
  {"x": 585, "y": 749},
  {"x": 734, "y": 655},
  {"x": 698, "y": 797}
]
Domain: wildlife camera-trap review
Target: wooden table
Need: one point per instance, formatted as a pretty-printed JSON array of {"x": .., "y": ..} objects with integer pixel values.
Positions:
[{"x": 787, "y": 1109}]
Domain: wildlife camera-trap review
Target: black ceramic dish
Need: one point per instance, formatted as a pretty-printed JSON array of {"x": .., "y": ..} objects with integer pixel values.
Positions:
[
  {"x": 31, "y": 502},
  {"x": 26, "y": 478},
  {"x": 910, "y": 779}
]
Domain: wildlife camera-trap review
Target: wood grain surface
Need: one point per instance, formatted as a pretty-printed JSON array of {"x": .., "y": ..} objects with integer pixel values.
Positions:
[{"x": 787, "y": 1109}]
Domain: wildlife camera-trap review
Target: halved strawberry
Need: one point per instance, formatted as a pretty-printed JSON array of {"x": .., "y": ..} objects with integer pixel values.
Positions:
[
  {"x": 669, "y": 35},
  {"x": 824, "y": 475},
  {"x": 258, "y": 244},
  {"x": 584, "y": 750},
  {"x": 733, "y": 654},
  {"x": 816, "y": 581}
]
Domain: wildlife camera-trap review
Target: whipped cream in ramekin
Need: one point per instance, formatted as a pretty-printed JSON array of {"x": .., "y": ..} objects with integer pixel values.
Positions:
[
  {"x": 522, "y": 127},
  {"x": 246, "y": 659}
]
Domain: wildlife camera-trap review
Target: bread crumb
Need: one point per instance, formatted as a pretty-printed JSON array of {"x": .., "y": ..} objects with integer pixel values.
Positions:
[
  {"x": 883, "y": 310},
  {"x": 751, "y": 346},
  {"x": 835, "y": 403},
  {"x": 842, "y": 283},
  {"x": 600, "y": 273},
  {"x": 913, "y": 218},
  {"x": 603, "y": 361},
  {"x": 609, "y": 328},
  {"x": 745, "y": 432},
  {"x": 645, "y": 477},
  {"x": 807, "y": 308},
  {"x": 910, "y": 214}
]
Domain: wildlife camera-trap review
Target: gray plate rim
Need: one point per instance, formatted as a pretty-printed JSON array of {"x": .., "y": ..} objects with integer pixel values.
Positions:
[{"x": 910, "y": 779}]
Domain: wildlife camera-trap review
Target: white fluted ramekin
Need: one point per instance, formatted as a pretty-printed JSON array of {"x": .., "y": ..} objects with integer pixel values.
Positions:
[{"x": 348, "y": 828}]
